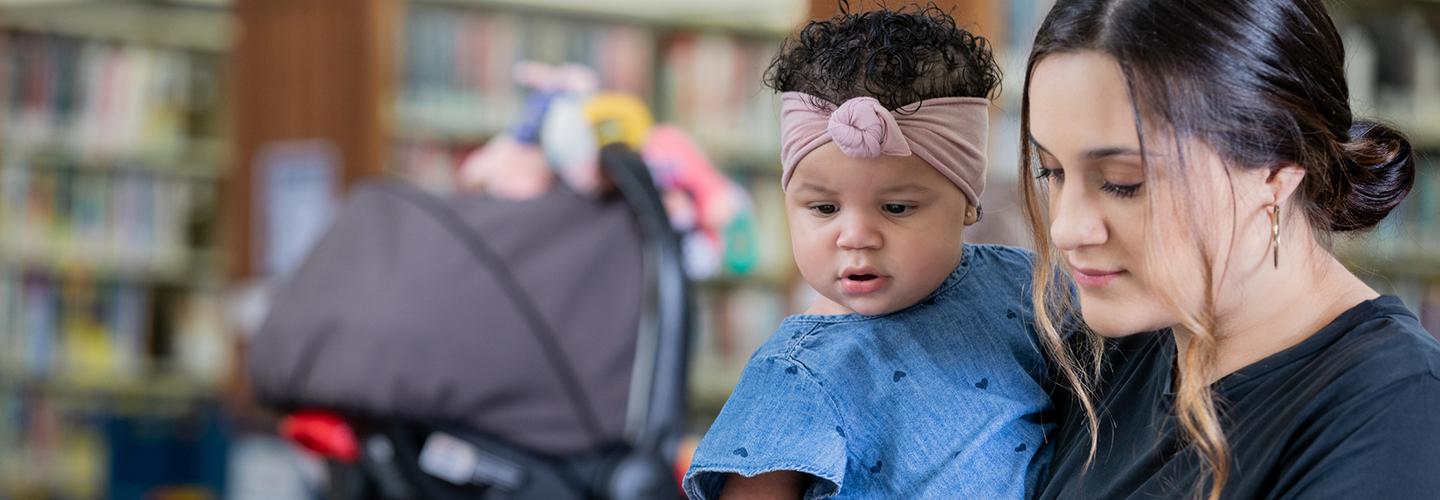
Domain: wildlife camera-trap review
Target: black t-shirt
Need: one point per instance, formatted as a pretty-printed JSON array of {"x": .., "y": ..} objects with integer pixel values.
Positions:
[{"x": 1351, "y": 412}]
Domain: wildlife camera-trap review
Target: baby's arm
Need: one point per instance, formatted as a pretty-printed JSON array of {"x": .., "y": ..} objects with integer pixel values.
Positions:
[
  {"x": 779, "y": 436},
  {"x": 768, "y": 486}
]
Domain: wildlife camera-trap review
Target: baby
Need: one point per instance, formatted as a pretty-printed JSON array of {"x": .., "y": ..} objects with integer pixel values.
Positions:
[{"x": 916, "y": 374}]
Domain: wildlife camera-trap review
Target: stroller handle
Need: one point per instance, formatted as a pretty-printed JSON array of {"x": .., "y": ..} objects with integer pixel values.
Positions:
[{"x": 658, "y": 390}]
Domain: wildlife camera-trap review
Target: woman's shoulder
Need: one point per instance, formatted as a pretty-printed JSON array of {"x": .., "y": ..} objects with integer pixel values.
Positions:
[
  {"x": 1380, "y": 343},
  {"x": 1364, "y": 414}
]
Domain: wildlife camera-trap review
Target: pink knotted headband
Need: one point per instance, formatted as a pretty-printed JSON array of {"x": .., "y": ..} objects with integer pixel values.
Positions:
[{"x": 949, "y": 133}]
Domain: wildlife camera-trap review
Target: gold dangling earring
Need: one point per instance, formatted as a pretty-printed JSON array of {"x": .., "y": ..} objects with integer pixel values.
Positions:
[{"x": 1275, "y": 232}]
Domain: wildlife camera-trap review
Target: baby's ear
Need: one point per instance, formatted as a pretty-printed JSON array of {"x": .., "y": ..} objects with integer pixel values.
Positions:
[{"x": 972, "y": 214}]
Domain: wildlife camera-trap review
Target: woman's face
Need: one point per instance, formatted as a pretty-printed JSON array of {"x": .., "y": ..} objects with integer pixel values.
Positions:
[{"x": 1103, "y": 217}]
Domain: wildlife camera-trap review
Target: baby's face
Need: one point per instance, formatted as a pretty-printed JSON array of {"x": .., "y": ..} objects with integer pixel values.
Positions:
[{"x": 873, "y": 235}]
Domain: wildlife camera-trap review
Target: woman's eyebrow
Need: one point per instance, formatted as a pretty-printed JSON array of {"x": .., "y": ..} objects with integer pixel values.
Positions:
[
  {"x": 1094, "y": 154},
  {"x": 1102, "y": 153}
]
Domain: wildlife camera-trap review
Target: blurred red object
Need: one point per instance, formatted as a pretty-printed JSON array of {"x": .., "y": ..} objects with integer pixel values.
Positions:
[
  {"x": 683, "y": 456},
  {"x": 323, "y": 433}
]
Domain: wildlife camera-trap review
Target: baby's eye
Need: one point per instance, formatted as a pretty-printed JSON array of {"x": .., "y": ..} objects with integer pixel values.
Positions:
[
  {"x": 898, "y": 208},
  {"x": 824, "y": 208}
]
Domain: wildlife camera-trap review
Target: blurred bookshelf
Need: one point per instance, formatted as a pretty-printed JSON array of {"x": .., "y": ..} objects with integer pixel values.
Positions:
[
  {"x": 457, "y": 58},
  {"x": 112, "y": 153},
  {"x": 185, "y": 24},
  {"x": 1393, "y": 66}
]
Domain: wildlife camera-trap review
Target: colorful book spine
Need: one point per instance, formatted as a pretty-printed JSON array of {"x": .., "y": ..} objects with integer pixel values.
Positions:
[
  {"x": 98, "y": 99},
  {"x": 11, "y": 342},
  {"x": 66, "y": 217},
  {"x": 77, "y": 325},
  {"x": 40, "y": 320}
]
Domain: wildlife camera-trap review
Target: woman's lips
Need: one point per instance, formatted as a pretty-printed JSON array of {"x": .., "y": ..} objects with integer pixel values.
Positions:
[{"x": 1094, "y": 278}]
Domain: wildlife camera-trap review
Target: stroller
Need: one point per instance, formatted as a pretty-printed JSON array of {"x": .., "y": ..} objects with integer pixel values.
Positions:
[{"x": 470, "y": 347}]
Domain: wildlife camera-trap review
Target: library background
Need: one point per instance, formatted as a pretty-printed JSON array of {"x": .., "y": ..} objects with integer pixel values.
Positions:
[{"x": 163, "y": 163}]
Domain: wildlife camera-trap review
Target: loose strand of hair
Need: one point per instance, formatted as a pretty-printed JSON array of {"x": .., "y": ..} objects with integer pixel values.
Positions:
[
  {"x": 1194, "y": 402},
  {"x": 1047, "y": 310}
]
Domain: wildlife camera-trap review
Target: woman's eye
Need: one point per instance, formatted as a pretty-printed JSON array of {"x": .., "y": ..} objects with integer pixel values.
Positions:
[
  {"x": 824, "y": 208},
  {"x": 1121, "y": 190},
  {"x": 898, "y": 208},
  {"x": 1051, "y": 174}
]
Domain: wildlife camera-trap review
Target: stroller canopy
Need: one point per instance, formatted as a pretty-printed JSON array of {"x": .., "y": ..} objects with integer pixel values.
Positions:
[{"x": 397, "y": 313}]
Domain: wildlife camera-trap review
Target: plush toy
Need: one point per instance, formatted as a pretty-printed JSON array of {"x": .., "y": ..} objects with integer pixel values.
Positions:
[
  {"x": 619, "y": 118},
  {"x": 679, "y": 163},
  {"x": 506, "y": 167},
  {"x": 513, "y": 164},
  {"x": 570, "y": 145},
  {"x": 715, "y": 203},
  {"x": 564, "y": 124},
  {"x": 577, "y": 126}
]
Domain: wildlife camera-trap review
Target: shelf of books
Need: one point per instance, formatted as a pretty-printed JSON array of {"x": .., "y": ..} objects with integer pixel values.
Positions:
[
  {"x": 457, "y": 63},
  {"x": 110, "y": 163}
]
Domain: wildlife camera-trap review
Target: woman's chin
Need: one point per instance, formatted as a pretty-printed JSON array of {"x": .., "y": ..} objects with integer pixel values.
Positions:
[{"x": 1112, "y": 319}]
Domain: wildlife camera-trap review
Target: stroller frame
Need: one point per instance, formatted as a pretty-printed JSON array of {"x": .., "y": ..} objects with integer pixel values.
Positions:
[{"x": 395, "y": 460}]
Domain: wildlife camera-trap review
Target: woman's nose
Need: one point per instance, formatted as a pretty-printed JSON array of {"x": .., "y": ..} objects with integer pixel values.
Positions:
[{"x": 1076, "y": 220}]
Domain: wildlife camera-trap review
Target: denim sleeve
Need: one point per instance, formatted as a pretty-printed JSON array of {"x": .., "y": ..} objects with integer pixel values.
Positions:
[{"x": 779, "y": 418}]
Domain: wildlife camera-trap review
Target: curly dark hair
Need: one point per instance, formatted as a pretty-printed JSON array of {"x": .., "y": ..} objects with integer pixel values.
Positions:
[{"x": 897, "y": 56}]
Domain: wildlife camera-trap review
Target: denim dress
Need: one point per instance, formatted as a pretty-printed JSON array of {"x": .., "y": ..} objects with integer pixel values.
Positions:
[{"x": 939, "y": 400}]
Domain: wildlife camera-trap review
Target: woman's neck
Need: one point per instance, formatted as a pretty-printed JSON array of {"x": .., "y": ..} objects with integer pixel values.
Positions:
[{"x": 1280, "y": 309}]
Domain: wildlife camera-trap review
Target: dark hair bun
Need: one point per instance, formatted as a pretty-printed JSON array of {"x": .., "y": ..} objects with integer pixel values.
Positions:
[{"x": 1378, "y": 171}]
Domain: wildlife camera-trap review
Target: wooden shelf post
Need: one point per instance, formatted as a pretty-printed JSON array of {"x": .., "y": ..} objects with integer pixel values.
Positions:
[{"x": 308, "y": 70}]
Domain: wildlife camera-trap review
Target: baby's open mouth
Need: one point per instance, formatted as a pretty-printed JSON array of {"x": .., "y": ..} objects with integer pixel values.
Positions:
[{"x": 862, "y": 283}]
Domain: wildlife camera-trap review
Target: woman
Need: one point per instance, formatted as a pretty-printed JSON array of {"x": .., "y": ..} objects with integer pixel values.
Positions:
[{"x": 1194, "y": 159}]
